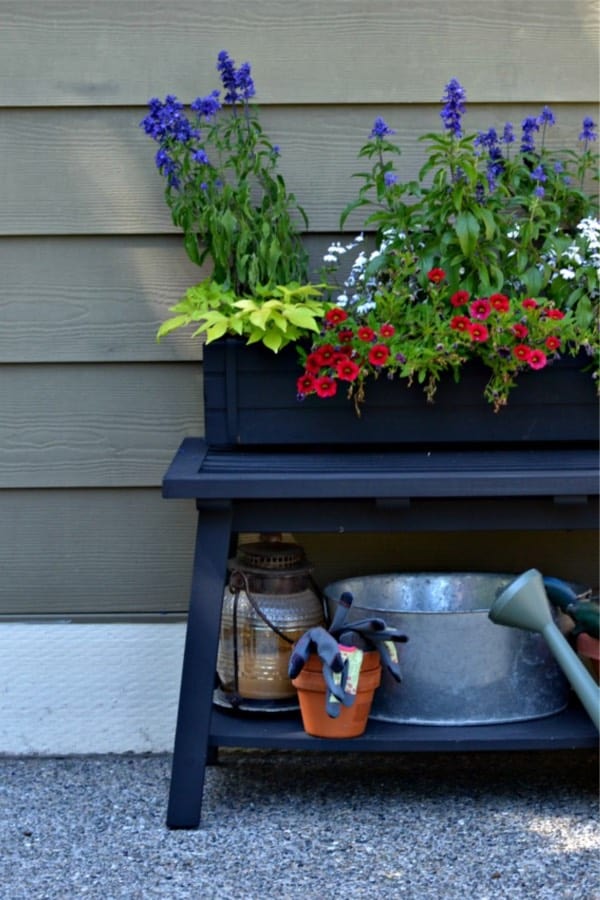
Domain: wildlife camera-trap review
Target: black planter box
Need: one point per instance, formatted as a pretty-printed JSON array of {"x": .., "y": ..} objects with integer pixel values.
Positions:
[{"x": 250, "y": 400}]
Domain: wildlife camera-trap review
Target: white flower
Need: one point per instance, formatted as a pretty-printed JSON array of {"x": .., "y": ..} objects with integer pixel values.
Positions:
[
  {"x": 330, "y": 258},
  {"x": 567, "y": 274},
  {"x": 366, "y": 306},
  {"x": 342, "y": 299},
  {"x": 573, "y": 254}
]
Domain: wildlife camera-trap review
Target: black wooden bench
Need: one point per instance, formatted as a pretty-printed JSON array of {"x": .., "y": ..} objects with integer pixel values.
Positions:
[{"x": 256, "y": 490}]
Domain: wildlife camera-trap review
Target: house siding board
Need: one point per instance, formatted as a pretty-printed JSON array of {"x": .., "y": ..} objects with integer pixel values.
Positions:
[
  {"x": 94, "y": 551},
  {"x": 107, "y": 53},
  {"x": 91, "y": 298},
  {"x": 93, "y": 425},
  {"x": 91, "y": 408}
]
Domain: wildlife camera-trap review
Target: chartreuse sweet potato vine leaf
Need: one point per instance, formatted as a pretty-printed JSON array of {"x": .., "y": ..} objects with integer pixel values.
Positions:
[{"x": 276, "y": 315}]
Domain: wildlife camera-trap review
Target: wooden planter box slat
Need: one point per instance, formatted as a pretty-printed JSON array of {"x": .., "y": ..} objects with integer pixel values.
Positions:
[{"x": 250, "y": 400}]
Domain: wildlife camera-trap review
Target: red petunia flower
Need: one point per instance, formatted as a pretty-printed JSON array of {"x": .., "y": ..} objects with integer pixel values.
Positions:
[
  {"x": 537, "y": 359},
  {"x": 500, "y": 302},
  {"x": 552, "y": 343},
  {"x": 478, "y": 332},
  {"x": 337, "y": 357},
  {"x": 529, "y": 303},
  {"x": 554, "y": 313},
  {"x": 460, "y": 323},
  {"x": 306, "y": 383},
  {"x": 520, "y": 331},
  {"x": 345, "y": 336},
  {"x": 366, "y": 334},
  {"x": 480, "y": 309},
  {"x": 336, "y": 316},
  {"x": 522, "y": 352},
  {"x": 387, "y": 330},
  {"x": 347, "y": 370},
  {"x": 436, "y": 275},
  {"x": 460, "y": 298},
  {"x": 313, "y": 363},
  {"x": 379, "y": 355},
  {"x": 325, "y": 386},
  {"x": 325, "y": 354}
]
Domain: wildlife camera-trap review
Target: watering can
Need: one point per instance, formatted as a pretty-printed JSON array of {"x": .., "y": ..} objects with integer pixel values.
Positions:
[{"x": 524, "y": 604}]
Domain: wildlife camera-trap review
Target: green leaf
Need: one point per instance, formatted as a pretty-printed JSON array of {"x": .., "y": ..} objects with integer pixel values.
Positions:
[
  {"x": 532, "y": 280},
  {"x": 273, "y": 340},
  {"x": 171, "y": 325},
  {"x": 191, "y": 248},
  {"x": 488, "y": 220},
  {"x": 467, "y": 231},
  {"x": 301, "y": 317},
  {"x": 214, "y": 331}
]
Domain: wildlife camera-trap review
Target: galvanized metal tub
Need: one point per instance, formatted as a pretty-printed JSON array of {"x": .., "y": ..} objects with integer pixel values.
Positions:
[{"x": 458, "y": 667}]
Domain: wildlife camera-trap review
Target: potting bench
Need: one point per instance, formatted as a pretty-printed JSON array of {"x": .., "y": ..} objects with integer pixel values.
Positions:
[{"x": 262, "y": 490}]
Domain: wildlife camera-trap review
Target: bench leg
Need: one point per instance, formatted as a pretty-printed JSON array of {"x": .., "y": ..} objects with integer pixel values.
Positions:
[{"x": 191, "y": 749}]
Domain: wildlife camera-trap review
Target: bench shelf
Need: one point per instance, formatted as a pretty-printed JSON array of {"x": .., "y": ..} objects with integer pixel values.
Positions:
[{"x": 440, "y": 489}]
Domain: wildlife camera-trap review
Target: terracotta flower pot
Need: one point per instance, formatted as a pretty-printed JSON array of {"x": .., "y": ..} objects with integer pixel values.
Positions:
[{"x": 352, "y": 720}]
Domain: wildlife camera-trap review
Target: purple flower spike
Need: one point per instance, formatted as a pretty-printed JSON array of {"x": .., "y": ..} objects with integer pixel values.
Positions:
[
  {"x": 588, "y": 133},
  {"x": 238, "y": 84},
  {"x": 546, "y": 117},
  {"x": 454, "y": 98},
  {"x": 529, "y": 126},
  {"x": 380, "y": 129},
  {"x": 508, "y": 135},
  {"x": 207, "y": 106}
]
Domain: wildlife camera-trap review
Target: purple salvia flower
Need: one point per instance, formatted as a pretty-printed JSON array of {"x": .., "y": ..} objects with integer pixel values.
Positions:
[
  {"x": 380, "y": 129},
  {"x": 244, "y": 82},
  {"x": 486, "y": 139},
  {"x": 495, "y": 167},
  {"x": 588, "y": 133},
  {"x": 508, "y": 135},
  {"x": 495, "y": 164},
  {"x": 167, "y": 120},
  {"x": 226, "y": 69},
  {"x": 390, "y": 179},
  {"x": 201, "y": 157},
  {"x": 539, "y": 175},
  {"x": 546, "y": 117},
  {"x": 238, "y": 84},
  {"x": 454, "y": 99},
  {"x": 207, "y": 106},
  {"x": 529, "y": 125},
  {"x": 167, "y": 167}
]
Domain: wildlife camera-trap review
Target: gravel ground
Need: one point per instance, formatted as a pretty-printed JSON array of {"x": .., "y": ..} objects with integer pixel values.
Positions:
[{"x": 305, "y": 827}]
